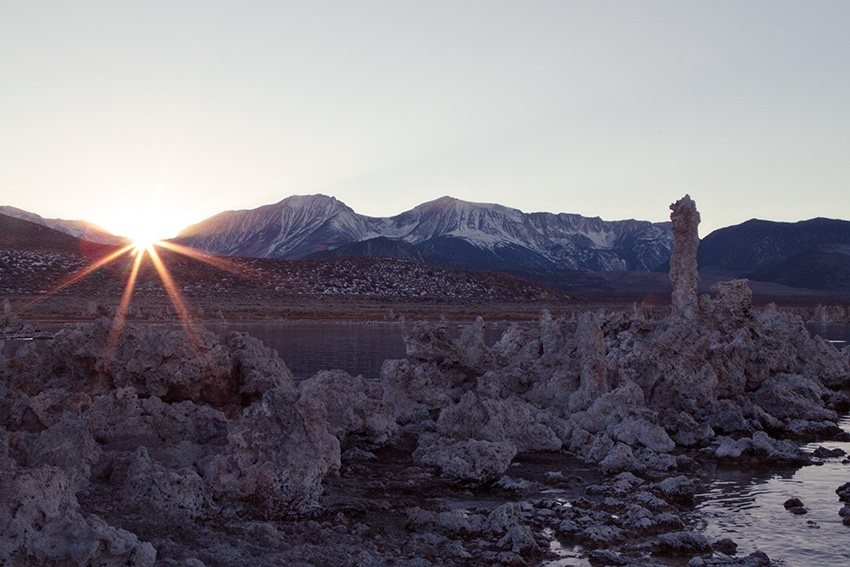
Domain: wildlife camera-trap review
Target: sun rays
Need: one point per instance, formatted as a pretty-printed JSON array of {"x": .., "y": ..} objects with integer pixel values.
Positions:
[{"x": 143, "y": 251}]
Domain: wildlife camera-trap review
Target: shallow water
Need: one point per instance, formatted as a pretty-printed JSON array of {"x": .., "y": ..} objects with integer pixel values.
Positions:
[{"x": 748, "y": 507}]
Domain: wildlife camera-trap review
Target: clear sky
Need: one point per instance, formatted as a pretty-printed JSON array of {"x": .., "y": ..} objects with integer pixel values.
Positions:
[{"x": 110, "y": 109}]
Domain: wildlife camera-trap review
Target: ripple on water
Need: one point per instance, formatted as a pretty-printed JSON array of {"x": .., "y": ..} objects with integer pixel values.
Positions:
[{"x": 748, "y": 507}]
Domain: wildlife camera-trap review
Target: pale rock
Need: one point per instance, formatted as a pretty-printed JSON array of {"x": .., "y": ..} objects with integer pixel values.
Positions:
[
  {"x": 732, "y": 449},
  {"x": 594, "y": 370},
  {"x": 52, "y": 404},
  {"x": 790, "y": 396},
  {"x": 475, "y": 353},
  {"x": 637, "y": 432},
  {"x": 42, "y": 525},
  {"x": 517, "y": 344},
  {"x": 256, "y": 367},
  {"x": 415, "y": 390},
  {"x": 511, "y": 420},
  {"x": 620, "y": 459},
  {"x": 277, "y": 455},
  {"x": 686, "y": 431},
  {"x": 775, "y": 451},
  {"x": 426, "y": 342},
  {"x": 68, "y": 445},
  {"x": 148, "y": 486},
  {"x": 473, "y": 460},
  {"x": 353, "y": 405}
]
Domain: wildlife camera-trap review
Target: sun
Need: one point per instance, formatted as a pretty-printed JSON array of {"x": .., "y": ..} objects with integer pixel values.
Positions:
[{"x": 144, "y": 243}]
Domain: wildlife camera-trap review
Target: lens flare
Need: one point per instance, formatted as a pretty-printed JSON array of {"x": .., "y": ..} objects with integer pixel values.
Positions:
[{"x": 141, "y": 248}]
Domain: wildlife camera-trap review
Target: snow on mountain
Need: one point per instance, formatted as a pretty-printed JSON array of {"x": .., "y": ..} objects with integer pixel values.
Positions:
[
  {"x": 453, "y": 232},
  {"x": 293, "y": 228},
  {"x": 75, "y": 228}
]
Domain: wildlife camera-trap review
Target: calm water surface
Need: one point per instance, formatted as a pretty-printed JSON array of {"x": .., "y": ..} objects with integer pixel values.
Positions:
[
  {"x": 748, "y": 507},
  {"x": 357, "y": 348}
]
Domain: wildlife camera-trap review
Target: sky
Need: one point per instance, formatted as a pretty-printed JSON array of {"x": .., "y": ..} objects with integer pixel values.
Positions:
[{"x": 168, "y": 112}]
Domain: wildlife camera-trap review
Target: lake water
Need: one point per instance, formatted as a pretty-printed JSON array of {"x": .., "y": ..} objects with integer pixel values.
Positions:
[
  {"x": 748, "y": 507},
  {"x": 361, "y": 348},
  {"x": 357, "y": 348}
]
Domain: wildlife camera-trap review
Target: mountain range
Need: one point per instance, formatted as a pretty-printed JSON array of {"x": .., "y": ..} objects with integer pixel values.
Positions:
[
  {"x": 447, "y": 232},
  {"x": 566, "y": 251}
]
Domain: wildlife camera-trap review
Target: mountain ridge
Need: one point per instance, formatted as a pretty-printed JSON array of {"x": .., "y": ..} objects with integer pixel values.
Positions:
[
  {"x": 76, "y": 228},
  {"x": 499, "y": 236}
]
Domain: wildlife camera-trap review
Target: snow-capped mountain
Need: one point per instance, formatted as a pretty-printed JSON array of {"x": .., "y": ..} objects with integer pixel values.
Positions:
[
  {"x": 292, "y": 228},
  {"x": 75, "y": 228},
  {"x": 447, "y": 230}
]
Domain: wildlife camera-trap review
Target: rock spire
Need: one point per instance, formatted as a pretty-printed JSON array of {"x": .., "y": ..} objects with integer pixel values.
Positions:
[{"x": 683, "y": 263}]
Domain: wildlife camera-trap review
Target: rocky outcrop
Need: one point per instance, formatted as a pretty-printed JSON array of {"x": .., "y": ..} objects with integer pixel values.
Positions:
[{"x": 683, "y": 262}]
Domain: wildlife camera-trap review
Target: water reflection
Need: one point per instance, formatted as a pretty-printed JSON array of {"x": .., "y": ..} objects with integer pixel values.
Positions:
[{"x": 748, "y": 507}]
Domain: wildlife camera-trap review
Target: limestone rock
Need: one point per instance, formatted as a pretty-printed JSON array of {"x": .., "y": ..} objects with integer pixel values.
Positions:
[
  {"x": 683, "y": 263},
  {"x": 277, "y": 455},
  {"x": 42, "y": 525},
  {"x": 256, "y": 367},
  {"x": 473, "y": 460},
  {"x": 511, "y": 420},
  {"x": 353, "y": 405}
]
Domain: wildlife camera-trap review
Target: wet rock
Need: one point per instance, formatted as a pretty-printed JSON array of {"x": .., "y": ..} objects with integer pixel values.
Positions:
[
  {"x": 726, "y": 546},
  {"x": 620, "y": 459},
  {"x": 774, "y": 451},
  {"x": 677, "y": 489},
  {"x": 795, "y": 506},
  {"x": 450, "y": 522},
  {"x": 600, "y": 536},
  {"x": 681, "y": 543},
  {"x": 843, "y": 492},
  {"x": 824, "y": 453},
  {"x": 804, "y": 429},
  {"x": 507, "y": 516},
  {"x": 605, "y": 557},
  {"x": 519, "y": 540}
]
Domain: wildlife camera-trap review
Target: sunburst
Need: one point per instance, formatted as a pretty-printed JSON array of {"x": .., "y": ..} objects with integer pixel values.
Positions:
[{"x": 146, "y": 248}]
